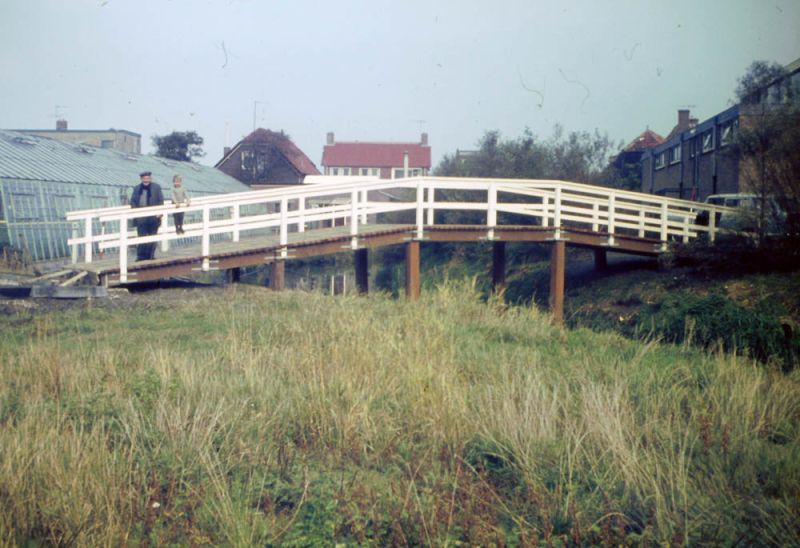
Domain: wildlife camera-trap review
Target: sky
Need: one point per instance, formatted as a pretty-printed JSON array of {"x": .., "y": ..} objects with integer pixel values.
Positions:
[{"x": 380, "y": 70}]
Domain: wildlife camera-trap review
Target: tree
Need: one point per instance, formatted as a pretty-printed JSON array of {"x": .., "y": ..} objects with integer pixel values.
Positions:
[
  {"x": 578, "y": 156},
  {"x": 179, "y": 145},
  {"x": 768, "y": 142},
  {"x": 758, "y": 75}
]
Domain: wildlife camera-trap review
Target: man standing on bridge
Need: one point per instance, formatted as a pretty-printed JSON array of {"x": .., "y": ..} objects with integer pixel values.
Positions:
[{"x": 146, "y": 193}]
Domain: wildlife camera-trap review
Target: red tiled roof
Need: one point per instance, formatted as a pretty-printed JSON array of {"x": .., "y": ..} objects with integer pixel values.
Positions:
[
  {"x": 376, "y": 155},
  {"x": 294, "y": 155},
  {"x": 648, "y": 139}
]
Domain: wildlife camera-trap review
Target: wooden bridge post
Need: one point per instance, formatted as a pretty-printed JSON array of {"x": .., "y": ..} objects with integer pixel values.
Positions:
[
  {"x": 233, "y": 275},
  {"x": 600, "y": 259},
  {"x": 558, "y": 256},
  {"x": 498, "y": 266},
  {"x": 412, "y": 270},
  {"x": 361, "y": 260},
  {"x": 277, "y": 275}
]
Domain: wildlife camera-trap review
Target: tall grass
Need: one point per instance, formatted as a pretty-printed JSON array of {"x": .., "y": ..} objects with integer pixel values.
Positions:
[{"x": 247, "y": 417}]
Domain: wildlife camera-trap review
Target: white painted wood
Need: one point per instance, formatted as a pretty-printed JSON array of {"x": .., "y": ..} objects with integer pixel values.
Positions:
[
  {"x": 551, "y": 202},
  {"x": 87, "y": 237}
]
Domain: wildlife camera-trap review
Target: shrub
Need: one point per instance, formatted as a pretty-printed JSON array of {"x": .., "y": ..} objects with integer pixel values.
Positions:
[{"x": 714, "y": 319}]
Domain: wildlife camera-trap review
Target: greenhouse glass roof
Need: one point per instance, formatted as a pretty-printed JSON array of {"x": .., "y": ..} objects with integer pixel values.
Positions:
[{"x": 42, "y": 179}]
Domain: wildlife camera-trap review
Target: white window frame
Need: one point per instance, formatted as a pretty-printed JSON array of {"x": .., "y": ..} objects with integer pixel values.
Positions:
[
  {"x": 675, "y": 154},
  {"x": 707, "y": 141},
  {"x": 726, "y": 133},
  {"x": 661, "y": 160}
]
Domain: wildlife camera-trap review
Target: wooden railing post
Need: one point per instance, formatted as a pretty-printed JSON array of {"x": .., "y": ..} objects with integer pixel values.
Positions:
[
  {"x": 491, "y": 210},
  {"x": 612, "y": 205},
  {"x": 557, "y": 213},
  {"x": 431, "y": 202},
  {"x": 284, "y": 229},
  {"x": 74, "y": 245},
  {"x": 712, "y": 226},
  {"x": 420, "y": 205},
  {"x": 162, "y": 229},
  {"x": 364, "y": 199},
  {"x": 354, "y": 219},
  {"x": 235, "y": 215},
  {"x": 87, "y": 237},
  {"x": 123, "y": 249},
  {"x": 206, "y": 238},
  {"x": 545, "y": 219}
]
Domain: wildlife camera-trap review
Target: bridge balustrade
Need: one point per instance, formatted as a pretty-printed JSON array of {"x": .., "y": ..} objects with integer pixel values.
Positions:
[{"x": 420, "y": 202}]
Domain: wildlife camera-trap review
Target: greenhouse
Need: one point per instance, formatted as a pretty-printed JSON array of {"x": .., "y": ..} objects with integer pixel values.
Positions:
[{"x": 42, "y": 179}]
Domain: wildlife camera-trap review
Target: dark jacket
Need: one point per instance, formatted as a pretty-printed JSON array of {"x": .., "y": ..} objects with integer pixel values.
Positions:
[{"x": 156, "y": 198}]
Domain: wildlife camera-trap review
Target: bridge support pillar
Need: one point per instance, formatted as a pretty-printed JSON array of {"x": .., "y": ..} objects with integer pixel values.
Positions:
[
  {"x": 558, "y": 257},
  {"x": 276, "y": 276},
  {"x": 412, "y": 270},
  {"x": 361, "y": 260},
  {"x": 498, "y": 266},
  {"x": 600, "y": 259},
  {"x": 233, "y": 275}
]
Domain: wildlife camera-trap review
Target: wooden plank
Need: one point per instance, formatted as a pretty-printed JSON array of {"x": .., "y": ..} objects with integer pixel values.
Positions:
[
  {"x": 361, "y": 260},
  {"x": 498, "y": 266},
  {"x": 57, "y": 274},
  {"x": 76, "y": 278},
  {"x": 412, "y": 270},
  {"x": 557, "y": 267}
]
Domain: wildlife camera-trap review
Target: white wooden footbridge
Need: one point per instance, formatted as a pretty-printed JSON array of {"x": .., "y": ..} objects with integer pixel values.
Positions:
[{"x": 230, "y": 231}]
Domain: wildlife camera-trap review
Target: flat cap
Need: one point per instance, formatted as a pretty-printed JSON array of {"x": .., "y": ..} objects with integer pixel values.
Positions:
[{"x": 145, "y": 173}]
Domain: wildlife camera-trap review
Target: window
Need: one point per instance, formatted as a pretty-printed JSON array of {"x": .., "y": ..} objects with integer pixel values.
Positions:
[
  {"x": 675, "y": 154},
  {"x": 107, "y": 143},
  {"x": 708, "y": 141},
  {"x": 247, "y": 159},
  {"x": 412, "y": 172},
  {"x": 370, "y": 171},
  {"x": 661, "y": 160},
  {"x": 726, "y": 133}
]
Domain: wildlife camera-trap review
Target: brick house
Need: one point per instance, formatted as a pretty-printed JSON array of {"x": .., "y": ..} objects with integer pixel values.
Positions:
[
  {"x": 384, "y": 160},
  {"x": 266, "y": 158},
  {"x": 698, "y": 159}
]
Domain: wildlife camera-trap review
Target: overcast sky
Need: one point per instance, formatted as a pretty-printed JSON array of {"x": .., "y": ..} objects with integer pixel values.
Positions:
[{"x": 380, "y": 70}]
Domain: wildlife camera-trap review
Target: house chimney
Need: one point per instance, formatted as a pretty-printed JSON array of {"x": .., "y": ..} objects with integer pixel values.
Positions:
[
  {"x": 424, "y": 139},
  {"x": 683, "y": 118},
  {"x": 226, "y": 151},
  {"x": 61, "y": 125},
  {"x": 330, "y": 138}
]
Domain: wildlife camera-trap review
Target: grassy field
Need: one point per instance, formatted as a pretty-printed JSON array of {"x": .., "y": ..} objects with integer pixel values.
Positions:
[{"x": 242, "y": 417}]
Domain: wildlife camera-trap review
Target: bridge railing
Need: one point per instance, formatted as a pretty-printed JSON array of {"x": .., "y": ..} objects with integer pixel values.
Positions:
[{"x": 419, "y": 202}]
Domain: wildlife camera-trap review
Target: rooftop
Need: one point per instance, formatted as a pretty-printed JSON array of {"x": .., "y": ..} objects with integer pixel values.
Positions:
[
  {"x": 372, "y": 154},
  {"x": 281, "y": 141},
  {"x": 28, "y": 157}
]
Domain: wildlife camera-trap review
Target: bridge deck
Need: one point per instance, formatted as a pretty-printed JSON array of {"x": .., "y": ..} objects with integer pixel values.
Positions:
[{"x": 251, "y": 251}]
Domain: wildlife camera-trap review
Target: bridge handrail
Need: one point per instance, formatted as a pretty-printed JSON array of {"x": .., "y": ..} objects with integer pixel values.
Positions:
[{"x": 553, "y": 202}]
